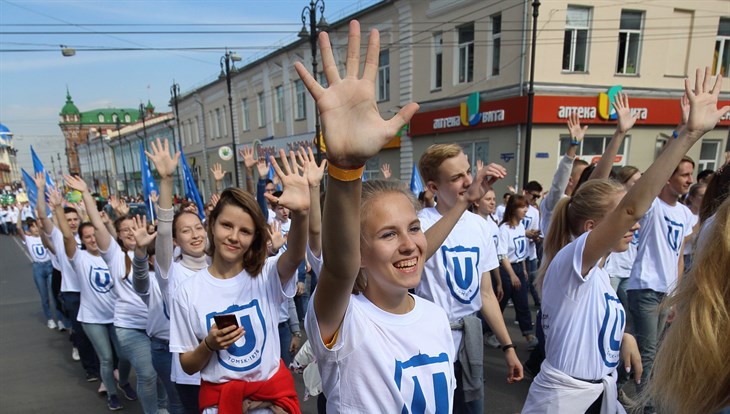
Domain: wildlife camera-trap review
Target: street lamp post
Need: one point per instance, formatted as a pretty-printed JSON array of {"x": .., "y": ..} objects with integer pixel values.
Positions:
[
  {"x": 143, "y": 115},
  {"x": 531, "y": 93},
  {"x": 124, "y": 163},
  {"x": 226, "y": 63},
  {"x": 91, "y": 164},
  {"x": 106, "y": 168},
  {"x": 310, "y": 12},
  {"x": 175, "y": 92}
]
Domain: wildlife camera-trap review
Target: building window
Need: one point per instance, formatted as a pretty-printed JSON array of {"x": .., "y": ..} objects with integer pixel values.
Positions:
[
  {"x": 262, "y": 110},
  {"x": 244, "y": 115},
  {"x": 496, "y": 44},
  {"x": 220, "y": 118},
  {"x": 279, "y": 112},
  {"x": 196, "y": 130},
  {"x": 127, "y": 118},
  {"x": 115, "y": 118},
  {"x": 465, "y": 56},
  {"x": 437, "y": 63},
  {"x": 709, "y": 152},
  {"x": 322, "y": 79},
  {"x": 100, "y": 118},
  {"x": 301, "y": 99},
  {"x": 721, "y": 58},
  {"x": 383, "y": 86},
  {"x": 629, "y": 41},
  {"x": 592, "y": 147},
  {"x": 575, "y": 43}
]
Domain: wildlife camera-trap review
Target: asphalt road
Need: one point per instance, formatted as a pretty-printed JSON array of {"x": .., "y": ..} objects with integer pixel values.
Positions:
[{"x": 39, "y": 376}]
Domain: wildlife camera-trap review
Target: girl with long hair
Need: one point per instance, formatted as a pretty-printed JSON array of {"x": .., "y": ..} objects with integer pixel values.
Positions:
[
  {"x": 239, "y": 362},
  {"x": 582, "y": 318},
  {"x": 379, "y": 348},
  {"x": 513, "y": 271}
]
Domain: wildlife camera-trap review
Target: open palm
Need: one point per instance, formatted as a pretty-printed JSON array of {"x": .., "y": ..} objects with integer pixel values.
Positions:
[
  {"x": 160, "y": 156},
  {"x": 353, "y": 129}
]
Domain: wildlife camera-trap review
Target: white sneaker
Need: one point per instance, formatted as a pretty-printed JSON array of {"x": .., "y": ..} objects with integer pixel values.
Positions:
[
  {"x": 75, "y": 354},
  {"x": 51, "y": 324},
  {"x": 492, "y": 341},
  {"x": 102, "y": 388},
  {"x": 61, "y": 326}
]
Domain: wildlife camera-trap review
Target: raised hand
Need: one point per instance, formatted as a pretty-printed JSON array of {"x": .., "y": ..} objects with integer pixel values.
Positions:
[
  {"x": 703, "y": 113},
  {"x": 684, "y": 107},
  {"x": 277, "y": 237},
  {"x": 385, "y": 169},
  {"x": 55, "y": 198},
  {"x": 626, "y": 121},
  {"x": 160, "y": 156},
  {"x": 480, "y": 164},
  {"x": 353, "y": 129},
  {"x": 263, "y": 167},
  {"x": 214, "y": 198},
  {"x": 307, "y": 161},
  {"x": 485, "y": 177},
  {"x": 218, "y": 172},
  {"x": 76, "y": 183},
  {"x": 139, "y": 230},
  {"x": 119, "y": 205},
  {"x": 40, "y": 181},
  {"x": 576, "y": 132},
  {"x": 296, "y": 187},
  {"x": 247, "y": 155},
  {"x": 104, "y": 217},
  {"x": 154, "y": 197}
]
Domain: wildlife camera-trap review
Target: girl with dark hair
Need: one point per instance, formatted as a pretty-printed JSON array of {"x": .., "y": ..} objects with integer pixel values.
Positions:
[{"x": 240, "y": 362}]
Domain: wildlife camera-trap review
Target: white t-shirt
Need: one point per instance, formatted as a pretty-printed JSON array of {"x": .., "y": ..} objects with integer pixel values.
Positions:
[
  {"x": 531, "y": 222},
  {"x": 314, "y": 261},
  {"x": 37, "y": 250},
  {"x": 98, "y": 294},
  {"x": 582, "y": 318},
  {"x": 26, "y": 212},
  {"x": 158, "y": 313},
  {"x": 500, "y": 212},
  {"x": 619, "y": 264},
  {"x": 690, "y": 245},
  {"x": 70, "y": 282},
  {"x": 452, "y": 276},
  {"x": 387, "y": 363},
  {"x": 663, "y": 228},
  {"x": 130, "y": 311},
  {"x": 254, "y": 300},
  {"x": 512, "y": 242},
  {"x": 54, "y": 261},
  {"x": 493, "y": 229}
]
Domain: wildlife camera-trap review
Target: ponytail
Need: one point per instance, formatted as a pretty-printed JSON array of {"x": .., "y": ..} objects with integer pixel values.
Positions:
[{"x": 557, "y": 237}]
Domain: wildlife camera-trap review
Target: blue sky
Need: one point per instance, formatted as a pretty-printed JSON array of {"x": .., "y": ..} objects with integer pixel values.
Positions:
[{"x": 33, "y": 84}]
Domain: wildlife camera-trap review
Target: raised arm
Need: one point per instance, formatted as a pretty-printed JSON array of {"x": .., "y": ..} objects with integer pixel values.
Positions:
[
  {"x": 46, "y": 222},
  {"x": 562, "y": 174},
  {"x": 485, "y": 177},
  {"x": 263, "y": 169},
  {"x": 249, "y": 162},
  {"x": 103, "y": 237},
  {"x": 19, "y": 223},
  {"x": 625, "y": 122},
  {"x": 140, "y": 276},
  {"x": 296, "y": 198},
  {"x": 165, "y": 164},
  {"x": 315, "y": 174},
  {"x": 218, "y": 174},
  {"x": 69, "y": 241},
  {"x": 354, "y": 132},
  {"x": 703, "y": 117}
]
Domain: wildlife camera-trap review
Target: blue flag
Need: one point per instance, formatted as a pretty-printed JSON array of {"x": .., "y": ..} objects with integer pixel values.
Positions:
[
  {"x": 416, "y": 182},
  {"x": 191, "y": 190},
  {"x": 38, "y": 167},
  {"x": 148, "y": 183},
  {"x": 272, "y": 175},
  {"x": 30, "y": 188}
]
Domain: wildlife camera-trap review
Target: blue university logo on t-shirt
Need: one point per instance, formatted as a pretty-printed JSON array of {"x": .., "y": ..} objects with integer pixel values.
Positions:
[
  {"x": 612, "y": 331},
  {"x": 462, "y": 276},
  {"x": 244, "y": 354},
  {"x": 520, "y": 244},
  {"x": 100, "y": 279},
  {"x": 635, "y": 239},
  {"x": 424, "y": 383},
  {"x": 526, "y": 221},
  {"x": 675, "y": 231},
  {"x": 39, "y": 250}
]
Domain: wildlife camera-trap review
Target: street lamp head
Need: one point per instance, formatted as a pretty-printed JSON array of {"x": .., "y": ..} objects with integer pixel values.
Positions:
[
  {"x": 234, "y": 57},
  {"x": 67, "y": 51},
  {"x": 303, "y": 34},
  {"x": 323, "y": 25}
]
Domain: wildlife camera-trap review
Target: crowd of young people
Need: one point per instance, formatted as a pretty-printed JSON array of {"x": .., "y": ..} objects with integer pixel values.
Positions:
[{"x": 203, "y": 309}]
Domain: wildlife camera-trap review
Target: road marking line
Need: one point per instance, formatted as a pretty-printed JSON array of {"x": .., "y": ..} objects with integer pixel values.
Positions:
[{"x": 23, "y": 249}]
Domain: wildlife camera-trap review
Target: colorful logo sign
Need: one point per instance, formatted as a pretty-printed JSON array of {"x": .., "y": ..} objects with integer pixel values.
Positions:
[
  {"x": 470, "y": 110},
  {"x": 605, "y": 102}
]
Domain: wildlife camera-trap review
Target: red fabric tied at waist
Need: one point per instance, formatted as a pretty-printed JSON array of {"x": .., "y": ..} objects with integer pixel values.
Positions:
[{"x": 229, "y": 396}]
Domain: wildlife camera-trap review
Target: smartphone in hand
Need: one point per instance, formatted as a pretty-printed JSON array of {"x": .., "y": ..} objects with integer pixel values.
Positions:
[{"x": 224, "y": 321}]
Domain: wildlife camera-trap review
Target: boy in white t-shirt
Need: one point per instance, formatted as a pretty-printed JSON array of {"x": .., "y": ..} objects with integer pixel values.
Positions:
[
  {"x": 532, "y": 192},
  {"x": 457, "y": 277},
  {"x": 659, "y": 261}
]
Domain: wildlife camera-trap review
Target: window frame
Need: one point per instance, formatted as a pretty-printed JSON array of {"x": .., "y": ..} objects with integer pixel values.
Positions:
[
  {"x": 707, "y": 163},
  {"x": 574, "y": 30},
  {"x": 722, "y": 47},
  {"x": 300, "y": 95},
  {"x": 623, "y": 151},
  {"x": 382, "y": 81},
  {"x": 465, "y": 74},
  {"x": 629, "y": 33},
  {"x": 245, "y": 121},
  {"x": 262, "y": 109},
  {"x": 437, "y": 61},
  {"x": 279, "y": 107},
  {"x": 495, "y": 43}
]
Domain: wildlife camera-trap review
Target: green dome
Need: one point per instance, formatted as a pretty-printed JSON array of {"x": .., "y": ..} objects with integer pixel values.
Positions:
[
  {"x": 150, "y": 108},
  {"x": 69, "y": 108}
]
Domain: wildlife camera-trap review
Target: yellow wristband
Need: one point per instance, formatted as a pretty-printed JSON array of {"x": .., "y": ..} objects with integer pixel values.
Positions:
[{"x": 345, "y": 175}]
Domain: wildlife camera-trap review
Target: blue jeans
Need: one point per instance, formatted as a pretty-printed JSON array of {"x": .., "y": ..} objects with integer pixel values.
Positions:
[
  {"x": 285, "y": 342},
  {"x": 135, "y": 347},
  {"x": 649, "y": 322},
  {"x": 162, "y": 361},
  {"x": 519, "y": 297},
  {"x": 71, "y": 302},
  {"x": 103, "y": 337},
  {"x": 188, "y": 396},
  {"x": 531, "y": 275},
  {"x": 42, "y": 276},
  {"x": 461, "y": 406}
]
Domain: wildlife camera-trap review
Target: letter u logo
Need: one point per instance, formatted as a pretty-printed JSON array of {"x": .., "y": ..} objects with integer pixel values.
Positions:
[{"x": 461, "y": 280}]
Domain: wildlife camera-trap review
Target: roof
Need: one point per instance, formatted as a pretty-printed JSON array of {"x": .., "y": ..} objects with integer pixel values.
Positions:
[
  {"x": 92, "y": 116},
  {"x": 69, "y": 108},
  {"x": 4, "y": 130}
]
